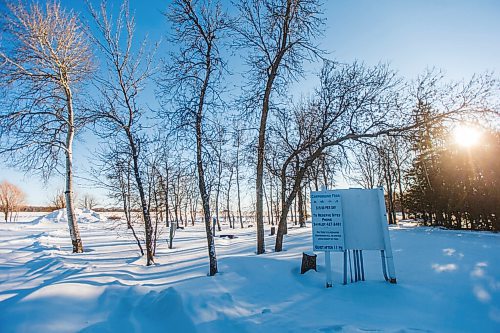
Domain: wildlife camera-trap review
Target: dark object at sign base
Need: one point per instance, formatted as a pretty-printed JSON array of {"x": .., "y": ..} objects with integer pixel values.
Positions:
[
  {"x": 228, "y": 236},
  {"x": 308, "y": 262}
]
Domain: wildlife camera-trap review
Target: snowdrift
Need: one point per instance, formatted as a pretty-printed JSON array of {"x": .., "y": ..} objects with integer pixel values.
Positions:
[{"x": 61, "y": 216}]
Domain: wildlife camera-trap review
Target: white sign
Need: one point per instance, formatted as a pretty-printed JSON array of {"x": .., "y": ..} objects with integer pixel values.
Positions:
[
  {"x": 327, "y": 221},
  {"x": 353, "y": 219},
  {"x": 364, "y": 217}
]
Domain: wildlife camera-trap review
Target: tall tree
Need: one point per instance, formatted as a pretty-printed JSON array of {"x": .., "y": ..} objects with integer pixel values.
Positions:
[
  {"x": 352, "y": 103},
  {"x": 119, "y": 110},
  {"x": 44, "y": 57},
  {"x": 192, "y": 79},
  {"x": 279, "y": 37}
]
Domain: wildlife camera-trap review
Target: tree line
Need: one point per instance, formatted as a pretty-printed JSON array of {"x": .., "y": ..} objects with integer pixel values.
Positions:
[
  {"x": 452, "y": 186},
  {"x": 62, "y": 74}
]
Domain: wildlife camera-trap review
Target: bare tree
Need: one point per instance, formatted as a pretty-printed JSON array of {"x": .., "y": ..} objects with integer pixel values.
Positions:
[
  {"x": 279, "y": 36},
  {"x": 88, "y": 201},
  {"x": 193, "y": 79},
  {"x": 58, "y": 200},
  {"x": 352, "y": 103},
  {"x": 356, "y": 103},
  {"x": 11, "y": 199},
  {"x": 114, "y": 173},
  {"x": 155, "y": 194},
  {"x": 45, "y": 57},
  {"x": 365, "y": 168},
  {"x": 119, "y": 112}
]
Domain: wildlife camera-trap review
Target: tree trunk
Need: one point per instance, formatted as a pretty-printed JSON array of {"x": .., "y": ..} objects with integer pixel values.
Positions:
[
  {"x": 267, "y": 206},
  {"x": 6, "y": 212},
  {"x": 400, "y": 186},
  {"x": 270, "y": 217},
  {"x": 217, "y": 193},
  {"x": 259, "y": 184},
  {"x": 282, "y": 223},
  {"x": 304, "y": 203},
  {"x": 324, "y": 172},
  {"x": 194, "y": 210},
  {"x": 125, "y": 189},
  {"x": 176, "y": 211},
  {"x": 190, "y": 203},
  {"x": 167, "y": 208},
  {"x": 394, "y": 217},
  {"x": 137, "y": 239},
  {"x": 205, "y": 199},
  {"x": 238, "y": 181},
  {"x": 302, "y": 220},
  {"x": 231, "y": 223},
  {"x": 148, "y": 225},
  {"x": 273, "y": 72},
  {"x": 295, "y": 211},
  {"x": 289, "y": 200},
  {"x": 389, "y": 184},
  {"x": 70, "y": 209},
  {"x": 155, "y": 198},
  {"x": 277, "y": 209},
  {"x": 128, "y": 209},
  {"x": 259, "y": 179},
  {"x": 186, "y": 213}
]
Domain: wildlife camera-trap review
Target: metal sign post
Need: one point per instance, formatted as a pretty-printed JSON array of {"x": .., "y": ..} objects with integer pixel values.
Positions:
[
  {"x": 328, "y": 265},
  {"x": 386, "y": 254}
]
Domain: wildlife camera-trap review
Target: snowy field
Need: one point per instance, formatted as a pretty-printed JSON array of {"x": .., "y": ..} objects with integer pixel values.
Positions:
[{"x": 448, "y": 281}]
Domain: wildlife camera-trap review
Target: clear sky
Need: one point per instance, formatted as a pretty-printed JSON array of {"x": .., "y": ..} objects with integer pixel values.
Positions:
[{"x": 461, "y": 37}]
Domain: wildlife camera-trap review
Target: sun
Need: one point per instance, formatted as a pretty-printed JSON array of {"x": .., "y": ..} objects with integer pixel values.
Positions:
[{"x": 466, "y": 135}]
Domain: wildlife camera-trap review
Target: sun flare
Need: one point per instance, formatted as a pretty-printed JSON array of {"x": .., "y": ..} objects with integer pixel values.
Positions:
[{"x": 466, "y": 136}]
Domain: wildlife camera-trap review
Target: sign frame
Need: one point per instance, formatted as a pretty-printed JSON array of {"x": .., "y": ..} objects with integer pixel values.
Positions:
[{"x": 363, "y": 219}]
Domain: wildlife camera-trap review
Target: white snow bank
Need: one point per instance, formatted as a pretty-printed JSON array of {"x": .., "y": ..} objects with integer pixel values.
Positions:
[{"x": 61, "y": 216}]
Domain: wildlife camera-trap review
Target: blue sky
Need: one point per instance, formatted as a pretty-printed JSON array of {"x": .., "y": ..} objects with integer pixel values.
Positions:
[{"x": 459, "y": 37}]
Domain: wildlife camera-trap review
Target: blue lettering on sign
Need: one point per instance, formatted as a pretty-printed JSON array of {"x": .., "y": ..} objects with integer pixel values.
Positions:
[
  {"x": 326, "y": 207},
  {"x": 328, "y": 247}
]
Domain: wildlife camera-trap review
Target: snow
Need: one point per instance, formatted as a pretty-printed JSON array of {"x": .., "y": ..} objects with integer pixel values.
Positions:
[
  {"x": 448, "y": 281},
  {"x": 61, "y": 216}
]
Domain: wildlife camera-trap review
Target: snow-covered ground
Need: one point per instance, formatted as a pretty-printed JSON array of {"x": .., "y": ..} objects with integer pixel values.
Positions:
[{"x": 448, "y": 281}]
